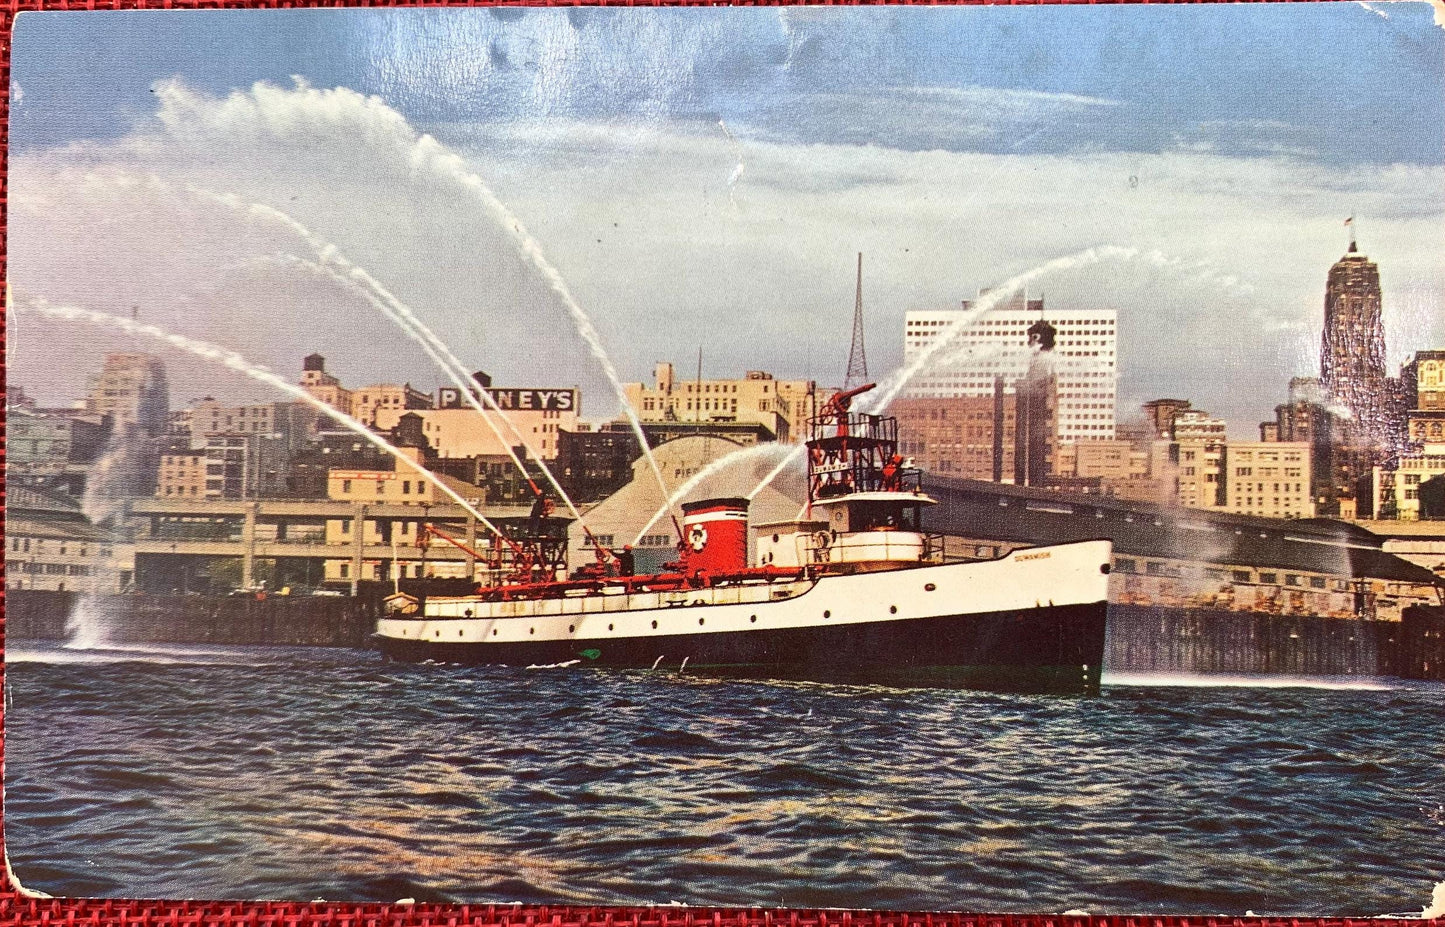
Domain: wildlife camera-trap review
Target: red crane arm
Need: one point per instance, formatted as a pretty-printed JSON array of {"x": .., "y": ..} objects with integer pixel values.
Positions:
[{"x": 434, "y": 530}]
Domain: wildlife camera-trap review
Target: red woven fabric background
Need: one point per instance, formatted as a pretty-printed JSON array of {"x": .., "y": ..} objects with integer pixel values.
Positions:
[{"x": 17, "y": 909}]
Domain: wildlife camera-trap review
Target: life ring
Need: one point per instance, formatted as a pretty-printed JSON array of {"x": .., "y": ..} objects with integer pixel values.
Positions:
[{"x": 697, "y": 538}]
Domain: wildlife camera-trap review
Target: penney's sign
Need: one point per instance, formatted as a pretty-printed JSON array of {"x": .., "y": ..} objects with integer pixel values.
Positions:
[{"x": 508, "y": 400}]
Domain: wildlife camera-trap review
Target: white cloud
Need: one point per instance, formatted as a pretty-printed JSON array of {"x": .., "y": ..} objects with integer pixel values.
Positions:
[
  {"x": 669, "y": 247},
  {"x": 1010, "y": 97}
]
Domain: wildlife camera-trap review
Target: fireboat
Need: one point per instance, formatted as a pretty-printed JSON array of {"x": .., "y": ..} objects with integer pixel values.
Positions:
[{"x": 852, "y": 590}]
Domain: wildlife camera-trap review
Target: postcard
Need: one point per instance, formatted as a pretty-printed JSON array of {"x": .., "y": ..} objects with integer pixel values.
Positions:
[{"x": 955, "y": 459}]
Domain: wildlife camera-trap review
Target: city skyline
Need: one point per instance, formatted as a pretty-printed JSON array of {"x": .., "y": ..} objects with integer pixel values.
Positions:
[{"x": 727, "y": 211}]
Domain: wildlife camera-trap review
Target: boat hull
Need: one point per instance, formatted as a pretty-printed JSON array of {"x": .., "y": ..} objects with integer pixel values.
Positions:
[
  {"x": 1033, "y": 620},
  {"x": 1044, "y": 649}
]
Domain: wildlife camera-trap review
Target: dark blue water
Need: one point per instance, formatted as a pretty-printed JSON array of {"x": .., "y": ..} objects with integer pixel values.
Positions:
[{"x": 305, "y": 774}]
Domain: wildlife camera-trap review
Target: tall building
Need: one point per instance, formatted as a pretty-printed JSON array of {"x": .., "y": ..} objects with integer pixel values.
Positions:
[
  {"x": 325, "y": 387},
  {"x": 997, "y": 344},
  {"x": 1160, "y": 415},
  {"x": 1197, "y": 425},
  {"x": 368, "y": 402},
  {"x": 592, "y": 463},
  {"x": 1336, "y": 465},
  {"x": 1400, "y": 483},
  {"x": 132, "y": 390},
  {"x": 1036, "y": 428},
  {"x": 971, "y": 437},
  {"x": 782, "y": 406},
  {"x": 455, "y": 429},
  {"x": 1423, "y": 379},
  {"x": 1398, "y": 490},
  {"x": 1352, "y": 350},
  {"x": 296, "y": 422},
  {"x": 1269, "y": 478},
  {"x": 1200, "y": 472},
  {"x": 1008, "y": 435},
  {"x": 224, "y": 466},
  {"x": 52, "y": 447}
]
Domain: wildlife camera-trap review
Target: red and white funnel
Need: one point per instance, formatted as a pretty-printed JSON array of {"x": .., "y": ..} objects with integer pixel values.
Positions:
[{"x": 715, "y": 535}]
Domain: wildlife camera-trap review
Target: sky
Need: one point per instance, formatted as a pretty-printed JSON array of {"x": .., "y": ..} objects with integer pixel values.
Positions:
[{"x": 704, "y": 178}]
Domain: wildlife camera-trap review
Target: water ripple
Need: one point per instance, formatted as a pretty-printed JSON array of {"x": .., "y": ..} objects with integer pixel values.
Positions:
[{"x": 302, "y": 774}]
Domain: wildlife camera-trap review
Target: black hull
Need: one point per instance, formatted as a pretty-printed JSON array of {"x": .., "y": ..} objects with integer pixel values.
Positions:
[{"x": 1048, "y": 649}]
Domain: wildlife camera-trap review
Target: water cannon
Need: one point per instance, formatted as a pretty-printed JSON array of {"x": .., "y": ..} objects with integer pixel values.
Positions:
[{"x": 839, "y": 403}]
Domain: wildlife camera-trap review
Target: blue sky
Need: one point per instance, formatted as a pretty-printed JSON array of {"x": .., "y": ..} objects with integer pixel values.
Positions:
[
  {"x": 692, "y": 165},
  {"x": 1243, "y": 77}
]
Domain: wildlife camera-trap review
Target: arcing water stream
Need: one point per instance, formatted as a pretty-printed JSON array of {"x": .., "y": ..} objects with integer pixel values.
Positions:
[
  {"x": 450, "y": 165},
  {"x": 338, "y": 268},
  {"x": 717, "y": 466},
  {"x": 238, "y": 363},
  {"x": 937, "y": 349},
  {"x": 341, "y": 270},
  {"x": 895, "y": 383},
  {"x": 450, "y": 366}
]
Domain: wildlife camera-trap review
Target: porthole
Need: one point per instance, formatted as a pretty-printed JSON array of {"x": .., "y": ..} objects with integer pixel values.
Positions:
[
  {"x": 893, "y": 609},
  {"x": 609, "y": 627},
  {"x": 531, "y": 630},
  {"x": 753, "y": 618},
  {"x": 494, "y": 632},
  {"x": 460, "y": 632},
  {"x": 438, "y": 634},
  {"x": 654, "y": 625},
  {"x": 1104, "y": 568},
  {"x": 827, "y": 614},
  {"x": 929, "y": 587},
  {"x": 702, "y": 621},
  {"x": 571, "y": 628}
]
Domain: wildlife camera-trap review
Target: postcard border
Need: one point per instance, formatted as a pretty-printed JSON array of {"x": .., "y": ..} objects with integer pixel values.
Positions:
[{"x": 18, "y": 908}]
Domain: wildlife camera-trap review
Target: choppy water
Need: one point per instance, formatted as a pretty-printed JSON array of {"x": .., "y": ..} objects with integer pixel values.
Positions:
[{"x": 327, "y": 774}]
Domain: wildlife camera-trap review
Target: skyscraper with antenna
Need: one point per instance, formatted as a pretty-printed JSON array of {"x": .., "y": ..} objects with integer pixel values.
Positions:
[
  {"x": 1352, "y": 349},
  {"x": 857, "y": 373}
]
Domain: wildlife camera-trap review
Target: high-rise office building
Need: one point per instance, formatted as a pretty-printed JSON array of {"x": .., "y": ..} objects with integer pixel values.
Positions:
[
  {"x": 132, "y": 390},
  {"x": 997, "y": 344},
  {"x": 1352, "y": 350}
]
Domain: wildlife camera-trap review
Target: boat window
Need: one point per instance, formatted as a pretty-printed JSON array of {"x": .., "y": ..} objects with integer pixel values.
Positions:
[{"x": 882, "y": 516}]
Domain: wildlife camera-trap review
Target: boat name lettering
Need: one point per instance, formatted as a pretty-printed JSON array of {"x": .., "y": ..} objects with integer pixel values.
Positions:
[{"x": 1042, "y": 555}]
